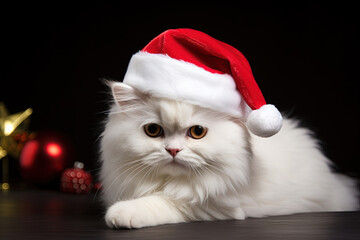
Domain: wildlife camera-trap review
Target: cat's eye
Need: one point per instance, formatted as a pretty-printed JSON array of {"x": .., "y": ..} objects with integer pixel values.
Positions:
[
  {"x": 197, "y": 132},
  {"x": 153, "y": 130}
]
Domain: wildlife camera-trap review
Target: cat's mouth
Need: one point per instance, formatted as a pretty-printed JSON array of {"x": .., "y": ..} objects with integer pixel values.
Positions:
[
  {"x": 177, "y": 163},
  {"x": 175, "y": 167}
]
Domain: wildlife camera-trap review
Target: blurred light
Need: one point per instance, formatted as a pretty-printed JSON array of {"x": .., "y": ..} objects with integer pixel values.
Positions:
[
  {"x": 53, "y": 149},
  {"x": 28, "y": 154},
  {"x": 8, "y": 128},
  {"x": 5, "y": 186},
  {"x": 3, "y": 152}
]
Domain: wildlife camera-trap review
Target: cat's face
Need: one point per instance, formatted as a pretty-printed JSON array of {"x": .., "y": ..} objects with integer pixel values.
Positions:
[{"x": 172, "y": 138}]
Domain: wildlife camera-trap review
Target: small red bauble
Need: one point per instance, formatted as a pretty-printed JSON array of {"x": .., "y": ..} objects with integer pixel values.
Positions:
[{"x": 76, "y": 180}]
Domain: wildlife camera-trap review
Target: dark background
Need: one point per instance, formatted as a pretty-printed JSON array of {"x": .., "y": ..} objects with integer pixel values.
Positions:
[{"x": 305, "y": 59}]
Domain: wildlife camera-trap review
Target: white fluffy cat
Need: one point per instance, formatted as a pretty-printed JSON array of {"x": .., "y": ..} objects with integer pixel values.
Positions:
[{"x": 165, "y": 161}]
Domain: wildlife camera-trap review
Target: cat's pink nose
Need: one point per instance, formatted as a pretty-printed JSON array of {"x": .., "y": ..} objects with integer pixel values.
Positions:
[{"x": 173, "y": 151}]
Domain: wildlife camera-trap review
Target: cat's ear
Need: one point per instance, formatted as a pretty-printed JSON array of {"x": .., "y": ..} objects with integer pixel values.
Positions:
[{"x": 124, "y": 95}]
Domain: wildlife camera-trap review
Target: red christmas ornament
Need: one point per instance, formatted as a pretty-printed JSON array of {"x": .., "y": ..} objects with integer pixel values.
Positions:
[
  {"x": 76, "y": 180},
  {"x": 44, "y": 158}
]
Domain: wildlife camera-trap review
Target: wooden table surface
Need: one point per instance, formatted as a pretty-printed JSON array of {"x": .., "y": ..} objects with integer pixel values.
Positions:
[{"x": 42, "y": 214}]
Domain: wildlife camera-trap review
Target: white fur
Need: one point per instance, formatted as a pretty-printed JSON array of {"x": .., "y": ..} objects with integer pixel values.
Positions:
[{"x": 228, "y": 174}]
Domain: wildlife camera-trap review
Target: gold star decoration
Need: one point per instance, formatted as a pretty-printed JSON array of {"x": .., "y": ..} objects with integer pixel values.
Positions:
[{"x": 11, "y": 126}]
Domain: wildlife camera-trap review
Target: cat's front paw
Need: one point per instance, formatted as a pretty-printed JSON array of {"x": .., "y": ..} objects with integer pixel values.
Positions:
[{"x": 125, "y": 214}]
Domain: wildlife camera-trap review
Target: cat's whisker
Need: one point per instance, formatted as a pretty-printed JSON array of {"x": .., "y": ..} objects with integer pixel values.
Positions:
[
  {"x": 154, "y": 172},
  {"x": 205, "y": 200},
  {"x": 116, "y": 170},
  {"x": 126, "y": 181},
  {"x": 142, "y": 180},
  {"x": 201, "y": 178},
  {"x": 97, "y": 192},
  {"x": 132, "y": 162},
  {"x": 210, "y": 168},
  {"x": 120, "y": 175},
  {"x": 94, "y": 169},
  {"x": 230, "y": 185}
]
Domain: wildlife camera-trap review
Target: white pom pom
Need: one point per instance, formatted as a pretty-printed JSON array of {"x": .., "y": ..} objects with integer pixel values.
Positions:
[{"x": 265, "y": 121}]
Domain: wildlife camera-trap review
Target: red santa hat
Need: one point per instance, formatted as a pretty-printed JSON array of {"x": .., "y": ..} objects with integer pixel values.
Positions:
[{"x": 191, "y": 66}]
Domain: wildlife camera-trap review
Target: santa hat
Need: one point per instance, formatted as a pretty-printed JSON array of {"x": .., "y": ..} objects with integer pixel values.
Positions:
[{"x": 191, "y": 66}]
